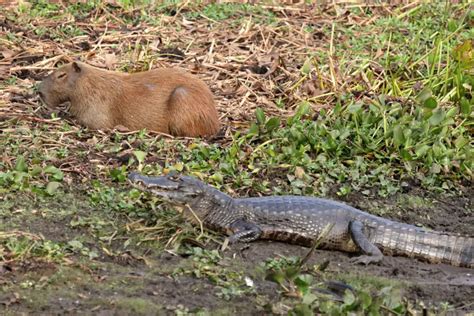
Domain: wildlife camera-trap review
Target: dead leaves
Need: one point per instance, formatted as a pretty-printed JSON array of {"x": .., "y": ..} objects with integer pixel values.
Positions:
[
  {"x": 110, "y": 61},
  {"x": 4, "y": 72},
  {"x": 10, "y": 299}
]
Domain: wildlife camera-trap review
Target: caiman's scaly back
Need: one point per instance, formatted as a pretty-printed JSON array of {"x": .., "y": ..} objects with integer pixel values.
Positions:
[{"x": 301, "y": 220}]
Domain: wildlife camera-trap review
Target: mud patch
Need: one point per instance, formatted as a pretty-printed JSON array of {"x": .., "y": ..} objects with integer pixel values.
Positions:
[
  {"x": 430, "y": 283},
  {"x": 143, "y": 281}
]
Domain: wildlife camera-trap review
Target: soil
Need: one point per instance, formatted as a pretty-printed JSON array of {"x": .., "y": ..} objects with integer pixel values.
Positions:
[
  {"x": 140, "y": 280},
  {"x": 107, "y": 286}
]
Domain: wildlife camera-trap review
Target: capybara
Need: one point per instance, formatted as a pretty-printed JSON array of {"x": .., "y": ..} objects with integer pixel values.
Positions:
[{"x": 166, "y": 100}]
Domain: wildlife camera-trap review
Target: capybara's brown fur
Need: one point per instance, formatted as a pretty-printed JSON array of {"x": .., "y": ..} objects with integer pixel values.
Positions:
[{"x": 165, "y": 100}]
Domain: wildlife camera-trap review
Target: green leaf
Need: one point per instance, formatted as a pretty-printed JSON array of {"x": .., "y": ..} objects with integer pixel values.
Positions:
[
  {"x": 140, "y": 155},
  {"x": 75, "y": 244},
  {"x": 21, "y": 164},
  {"x": 435, "y": 168},
  {"x": 309, "y": 298},
  {"x": 302, "y": 310},
  {"x": 437, "y": 117},
  {"x": 460, "y": 142},
  {"x": 36, "y": 170},
  {"x": 217, "y": 177},
  {"x": 178, "y": 167},
  {"x": 52, "y": 187},
  {"x": 19, "y": 176},
  {"x": 276, "y": 276},
  {"x": 291, "y": 272},
  {"x": 452, "y": 25},
  {"x": 306, "y": 68},
  {"x": 303, "y": 282},
  {"x": 253, "y": 130},
  {"x": 354, "y": 107},
  {"x": 421, "y": 150},
  {"x": 303, "y": 109},
  {"x": 451, "y": 112},
  {"x": 272, "y": 124},
  {"x": 336, "y": 110},
  {"x": 398, "y": 137},
  {"x": 465, "y": 106},
  {"x": 349, "y": 298},
  {"x": 430, "y": 103},
  {"x": 118, "y": 174},
  {"x": 55, "y": 172},
  {"x": 405, "y": 154},
  {"x": 365, "y": 299},
  {"x": 260, "y": 116},
  {"x": 93, "y": 255},
  {"x": 424, "y": 95},
  {"x": 464, "y": 52}
]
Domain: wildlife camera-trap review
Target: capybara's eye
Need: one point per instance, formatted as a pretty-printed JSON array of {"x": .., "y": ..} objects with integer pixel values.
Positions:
[{"x": 61, "y": 75}]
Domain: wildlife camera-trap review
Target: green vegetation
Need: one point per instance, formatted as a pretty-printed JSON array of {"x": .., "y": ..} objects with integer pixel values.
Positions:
[
  {"x": 22, "y": 177},
  {"x": 224, "y": 11},
  {"x": 21, "y": 246},
  {"x": 329, "y": 297},
  {"x": 366, "y": 104},
  {"x": 205, "y": 264}
]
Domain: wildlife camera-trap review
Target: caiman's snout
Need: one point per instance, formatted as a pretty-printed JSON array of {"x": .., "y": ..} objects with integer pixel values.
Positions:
[
  {"x": 171, "y": 187},
  {"x": 134, "y": 177},
  {"x": 165, "y": 182}
]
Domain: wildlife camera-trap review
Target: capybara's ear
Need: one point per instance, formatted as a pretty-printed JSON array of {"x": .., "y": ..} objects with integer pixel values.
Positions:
[{"x": 76, "y": 67}]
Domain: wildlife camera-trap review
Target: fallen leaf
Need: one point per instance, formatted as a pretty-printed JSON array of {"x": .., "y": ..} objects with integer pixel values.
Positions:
[
  {"x": 4, "y": 73},
  {"x": 299, "y": 172},
  {"x": 7, "y": 53},
  {"x": 110, "y": 61}
]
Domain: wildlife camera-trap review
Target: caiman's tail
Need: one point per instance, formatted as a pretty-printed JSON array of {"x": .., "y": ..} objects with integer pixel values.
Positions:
[{"x": 436, "y": 247}]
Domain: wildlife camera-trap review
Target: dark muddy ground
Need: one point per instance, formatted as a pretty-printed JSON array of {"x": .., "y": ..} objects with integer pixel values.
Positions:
[
  {"x": 145, "y": 281},
  {"x": 142, "y": 289},
  {"x": 80, "y": 249}
]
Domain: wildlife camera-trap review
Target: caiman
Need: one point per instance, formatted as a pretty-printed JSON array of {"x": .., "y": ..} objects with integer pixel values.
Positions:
[{"x": 301, "y": 220}]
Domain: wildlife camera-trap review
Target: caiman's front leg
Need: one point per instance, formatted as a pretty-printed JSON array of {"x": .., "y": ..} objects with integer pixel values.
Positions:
[
  {"x": 244, "y": 231},
  {"x": 372, "y": 254}
]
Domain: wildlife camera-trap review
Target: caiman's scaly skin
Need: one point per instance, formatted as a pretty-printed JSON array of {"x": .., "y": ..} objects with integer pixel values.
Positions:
[{"x": 301, "y": 220}]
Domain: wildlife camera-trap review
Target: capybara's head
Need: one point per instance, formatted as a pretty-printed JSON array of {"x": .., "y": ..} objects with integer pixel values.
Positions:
[{"x": 57, "y": 87}]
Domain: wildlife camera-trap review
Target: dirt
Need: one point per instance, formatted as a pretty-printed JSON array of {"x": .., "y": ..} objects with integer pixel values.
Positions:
[
  {"x": 420, "y": 207},
  {"x": 140, "y": 280},
  {"x": 144, "y": 286},
  {"x": 430, "y": 283},
  {"x": 110, "y": 285}
]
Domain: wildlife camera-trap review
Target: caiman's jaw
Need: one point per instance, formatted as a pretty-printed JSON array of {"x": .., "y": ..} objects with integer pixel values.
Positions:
[{"x": 171, "y": 187}]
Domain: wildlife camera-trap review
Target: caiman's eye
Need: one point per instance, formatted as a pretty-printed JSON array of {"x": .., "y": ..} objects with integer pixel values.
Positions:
[{"x": 173, "y": 175}]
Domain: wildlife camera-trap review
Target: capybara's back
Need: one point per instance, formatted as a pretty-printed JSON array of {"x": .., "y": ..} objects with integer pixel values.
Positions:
[{"x": 165, "y": 100}]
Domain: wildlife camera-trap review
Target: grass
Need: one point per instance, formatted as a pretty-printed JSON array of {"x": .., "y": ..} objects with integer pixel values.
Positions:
[
  {"x": 323, "y": 295},
  {"x": 365, "y": 104}
]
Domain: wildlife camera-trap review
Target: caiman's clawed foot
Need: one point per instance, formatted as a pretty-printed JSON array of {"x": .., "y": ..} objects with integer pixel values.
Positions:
[
  {"x": 366, "y": 259},
  {"x": 244, "y": 236},
  {"x": 244, "y": 231}
]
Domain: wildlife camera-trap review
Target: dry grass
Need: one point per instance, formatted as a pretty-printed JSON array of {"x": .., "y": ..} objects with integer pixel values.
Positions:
[{"x": 248, "y": 63}]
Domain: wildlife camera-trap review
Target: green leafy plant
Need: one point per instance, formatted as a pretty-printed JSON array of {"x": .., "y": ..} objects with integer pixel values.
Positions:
[
  {"x": 206, "y": 264},
  {"x": 263, "y": 125},
  {"x": 327, "y": 297},
  {"x": 18, "y": 245},
  {"x": 23, "y": 177}
]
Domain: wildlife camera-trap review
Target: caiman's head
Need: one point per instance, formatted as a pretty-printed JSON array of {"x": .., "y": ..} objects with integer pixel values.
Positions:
[{"x": 181, "y": 190}]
